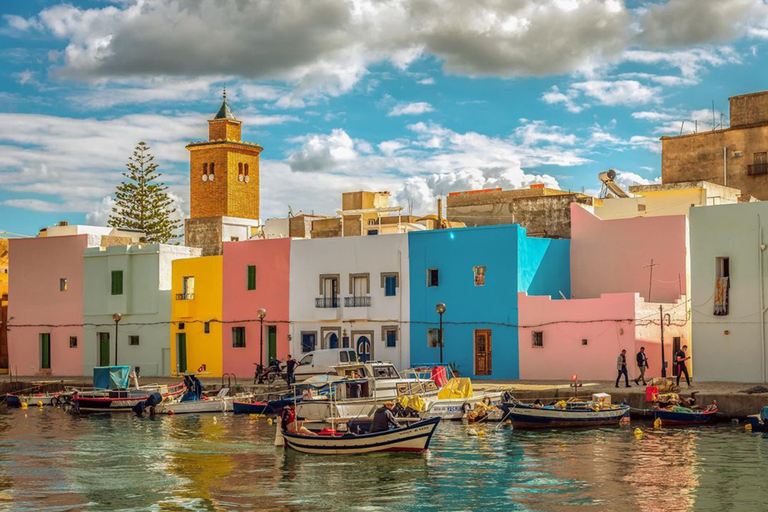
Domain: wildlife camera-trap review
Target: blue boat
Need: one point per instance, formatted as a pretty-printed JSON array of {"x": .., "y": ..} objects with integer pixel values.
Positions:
[
  {"x": 670, "y": 417},
  {"x": 250, "y": 407},
  {"x": 573, "y": 415},
  {"x": 759, "y": 422}
]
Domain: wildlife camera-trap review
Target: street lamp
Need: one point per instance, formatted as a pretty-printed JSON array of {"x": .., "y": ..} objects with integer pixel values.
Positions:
[
  {"x": 116, "y": 317},
  {"x": 440, "y": 308},
  {"x": 669, "y": 322},
  {"x": 261, "y": 314}
]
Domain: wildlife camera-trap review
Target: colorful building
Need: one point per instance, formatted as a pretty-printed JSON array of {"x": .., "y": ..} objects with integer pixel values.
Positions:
[
  {"x": 256, "y": 275},
  {"x": 728, "y": 294},
  {"x": 351, "y": 292},
  {"x": 135, "y": 282},
  {"x": 196, "y": 313},
  {"x": 477, "y": 273}
]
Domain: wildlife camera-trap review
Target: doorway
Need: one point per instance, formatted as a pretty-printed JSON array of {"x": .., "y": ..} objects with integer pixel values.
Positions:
[
  {"x": 181, "y": 352},
  {"x": 675, "y": 348},
  {"x": 103, "y": 348},
  {"x": 45, "y": 351},
  {"x": 272, "y": 342},
  {"x": 363, "y": 345},
  {"x": 483, "y": 357}
]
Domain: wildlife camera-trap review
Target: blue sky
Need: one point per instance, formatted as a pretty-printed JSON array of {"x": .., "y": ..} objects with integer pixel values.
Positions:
[{"x": 420, "y": 97}]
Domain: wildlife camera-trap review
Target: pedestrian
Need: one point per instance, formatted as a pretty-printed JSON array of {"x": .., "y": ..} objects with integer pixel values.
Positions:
[
  {"x": 642, "y": 364},
  {"x": 680, "y": 358},
  {"x": 621, "y": 365},
  {"x": 383, "y": 418},
  {"x": 290, "y": 366}
]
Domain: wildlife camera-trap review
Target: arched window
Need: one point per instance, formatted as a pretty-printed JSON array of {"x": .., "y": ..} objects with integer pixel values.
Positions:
[
  {"x": 240, "y": 168},
  {"x": 246, "y": 169},
  {"x": 213, "y": 167},
  {"x": 205, "y": 168}
]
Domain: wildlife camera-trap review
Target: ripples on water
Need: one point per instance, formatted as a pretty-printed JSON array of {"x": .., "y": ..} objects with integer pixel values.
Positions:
[{"x": 52, "y": 461}]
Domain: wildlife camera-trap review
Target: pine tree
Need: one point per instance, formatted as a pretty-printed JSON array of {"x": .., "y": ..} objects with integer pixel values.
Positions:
[{"x": 141, "y": 202}]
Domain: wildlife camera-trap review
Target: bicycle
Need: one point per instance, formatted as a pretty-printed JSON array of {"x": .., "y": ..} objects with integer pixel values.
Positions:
[{"x": 269, "y": 374}]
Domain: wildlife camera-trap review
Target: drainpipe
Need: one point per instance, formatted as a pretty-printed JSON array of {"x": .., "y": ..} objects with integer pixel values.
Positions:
[
  {"x": 760, "y": 248},
  {"x": 725, "y": 168},
  {"x": 400, "y": 309}
]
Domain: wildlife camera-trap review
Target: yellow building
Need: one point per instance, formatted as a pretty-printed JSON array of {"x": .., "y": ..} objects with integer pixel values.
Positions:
[
  {"x": 196, "y": 315},
  {"x": 3, "y": 266}
]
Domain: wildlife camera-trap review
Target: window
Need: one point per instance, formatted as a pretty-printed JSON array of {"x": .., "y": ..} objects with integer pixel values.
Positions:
[
  {"x": 181, "y": 326},
  {"x": 760, "y": 165},
  {"x": 251, "y": 283},
  {"x": 306, "y": 360},
  {"x": 63, "y": 284},
  {"x": 343, "y": 356},
  {"x": 371, "y": 222},
  {"x": 390, "y": 286},
  {"x": 45, "y": 351},
  {"x": 133, "y": 340},
  {"x": 372, "y": 232},
  {"x": 246, "y": 172},
  {"x": 389, "y": 334},
  {"x": 205, "y": 172},
  {"x": 432, "y": 277},
  {"x": 352, "y": 356},
  {"x": 479, "y": 275},
  {"x": 117, "y": 282},
  {"x": 238, "y": 337},
  {"x": 538, "y": 339},
  {"x": 432, "y": 338},
  {"x": 240, "y": 171},
  {"x": 234, "y": 239},
  {"x": 584, "y": 342},
  {"x": 210, "y": 174},
  {"x": 187, "y": 288},
  {"x": 722, "y": 285},
  {"x": 73, "y": 342},
  {"x": 308, "y": 342},
  {"x": 207, "y": 327}
]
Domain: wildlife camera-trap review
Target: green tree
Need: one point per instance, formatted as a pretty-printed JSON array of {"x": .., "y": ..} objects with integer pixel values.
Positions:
[{"x": 141, "y": 202}]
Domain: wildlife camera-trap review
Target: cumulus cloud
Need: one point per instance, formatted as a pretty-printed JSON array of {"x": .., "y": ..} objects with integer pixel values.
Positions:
[
  {"x": 410, "y": 109},
  {"x": 320, "y": 152}
]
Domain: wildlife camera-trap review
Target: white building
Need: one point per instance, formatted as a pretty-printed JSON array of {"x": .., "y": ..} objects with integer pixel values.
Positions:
[
  {"x": 351, "y": 292},
  {"x": 729, "y": 262}
]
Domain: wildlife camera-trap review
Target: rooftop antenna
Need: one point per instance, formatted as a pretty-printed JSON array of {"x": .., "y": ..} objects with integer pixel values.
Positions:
[
  {"x": 682, "y": 123},
  {"x": 713, "y": 115},
  {"x": 225, "y": 91},
  {"x": 721, "y": 120}
]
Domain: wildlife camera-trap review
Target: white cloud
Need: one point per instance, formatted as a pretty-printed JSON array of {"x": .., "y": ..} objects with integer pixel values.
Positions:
[
  {"x": 554, "y": 96},
  {"x": 426, "y": 81},
  {"x": 410, "y": 109},
  {"x": 618, "y": 92},
  {"x": 320, "y": 152}
]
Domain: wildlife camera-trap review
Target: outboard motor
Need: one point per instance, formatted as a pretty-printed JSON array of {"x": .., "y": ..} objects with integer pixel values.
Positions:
[{"x": 151, "y": 401}]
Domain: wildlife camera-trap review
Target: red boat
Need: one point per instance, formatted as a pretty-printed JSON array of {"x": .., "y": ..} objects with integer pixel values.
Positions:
[{"x": 121, "y": 400}]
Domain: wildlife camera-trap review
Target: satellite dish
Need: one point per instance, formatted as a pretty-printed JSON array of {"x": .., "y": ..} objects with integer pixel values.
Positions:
[{"x": 205, "y": 177}]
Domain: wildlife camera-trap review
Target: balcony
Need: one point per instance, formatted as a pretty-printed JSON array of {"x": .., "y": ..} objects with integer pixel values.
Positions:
[
  {"x": 327, "y": 302},
  {"x": 185, "y": 296},
  {"x": 357, "y": 302},
  {"x": 757, "y": 169}
]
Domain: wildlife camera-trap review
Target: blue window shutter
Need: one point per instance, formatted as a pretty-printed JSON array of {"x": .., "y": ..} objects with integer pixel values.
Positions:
[{"x": 390, "y": 287}]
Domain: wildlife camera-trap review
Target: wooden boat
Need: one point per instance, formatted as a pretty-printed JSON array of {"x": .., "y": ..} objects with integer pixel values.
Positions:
[
  {"x": 219, "y": 403},
  {"x": 121, "y": 400},
  {"x": 411, "y": 438},
  {"x": 250, "y": 407},
  {"x": 670, "y": 417},
  {"x": 573, "y": 415},
  {"x": 45, "y": 398},
  {"x": 759, "y": 422}
]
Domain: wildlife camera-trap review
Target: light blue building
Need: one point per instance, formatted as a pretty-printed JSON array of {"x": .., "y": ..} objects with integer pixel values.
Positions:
[{"x": 477, "y": 273}]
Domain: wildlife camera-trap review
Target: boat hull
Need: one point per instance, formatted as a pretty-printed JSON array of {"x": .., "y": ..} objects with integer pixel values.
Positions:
[
  {"x": 681, "y": 419},
  {"x": 525, "y": 417},
  {"x": 96, "y": 403},
  {"x": 17, "y": 400},
  {"x": 251, "y": 408},
  {"x": 456, "y": 408},
  {"x": 195, "y": 407},
  {"x": 413, "y": 438}
]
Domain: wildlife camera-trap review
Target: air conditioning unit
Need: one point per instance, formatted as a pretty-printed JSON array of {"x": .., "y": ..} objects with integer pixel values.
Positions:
[{"x": 738, "y": 154}]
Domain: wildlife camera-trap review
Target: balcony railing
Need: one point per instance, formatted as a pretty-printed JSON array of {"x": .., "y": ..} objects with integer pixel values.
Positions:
[
  {"x": 327, "y": 302},
  {"x": 757, "y": 169},
  {"x": 185, "y": 296},
  {"x": 357, "y": 302}
]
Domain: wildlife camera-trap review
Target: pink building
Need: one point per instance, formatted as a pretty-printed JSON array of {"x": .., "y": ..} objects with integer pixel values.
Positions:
[
  {"x": 613, "y": 256},
  {"x": 256, "y": 275},
  {"x": 46, "y": 288},
  {"x": 560, "y": 338}
]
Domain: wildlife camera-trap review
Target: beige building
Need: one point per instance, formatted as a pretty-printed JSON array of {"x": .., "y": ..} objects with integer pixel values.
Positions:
[
  {"x": 736, "y": 156},
  {"x": 542, "y": 211}
]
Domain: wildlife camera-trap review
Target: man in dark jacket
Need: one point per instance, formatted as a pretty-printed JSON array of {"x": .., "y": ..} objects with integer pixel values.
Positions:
[
  {"x": 290, "y": 367},
  {"x": 642, "y": 364},
  {"x": 621, "y": 366},
  {"x": 383, "y": 418}
]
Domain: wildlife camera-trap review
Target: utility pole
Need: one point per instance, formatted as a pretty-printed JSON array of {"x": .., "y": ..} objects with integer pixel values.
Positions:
[
  {"x": 650, "y": 278},
  {"x": 661, "y": 324}
]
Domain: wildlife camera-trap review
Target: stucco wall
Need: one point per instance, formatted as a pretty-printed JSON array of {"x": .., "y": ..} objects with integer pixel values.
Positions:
[
  {"x": 272, "y": 260},
  {"x": 611, "y": 256},
  {"x": 728, "y": 348},
  {"x": 344, "y": 256},
  {"x": 37, "y": 265}
]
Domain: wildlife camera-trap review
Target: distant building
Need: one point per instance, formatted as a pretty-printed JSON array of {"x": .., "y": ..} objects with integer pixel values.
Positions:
[
  {"x": 223, "y": 185},
  {"x": 736, "y": 156},
  {"x": 134, "y": 281},
  {"x": 729, "y": 263},
  {"x": 542, "y": 211},
  {"x": 3, "y": 304}
]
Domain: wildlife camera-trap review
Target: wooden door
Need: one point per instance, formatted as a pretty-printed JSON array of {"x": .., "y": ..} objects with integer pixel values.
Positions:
[
  {"x": 272, "y": 337},
  {"x": 45, "y": 351},
  {"x": 483, "y": 352},
  {"x": 181, "y": 352},
  {"x": 103, "y": 349}
]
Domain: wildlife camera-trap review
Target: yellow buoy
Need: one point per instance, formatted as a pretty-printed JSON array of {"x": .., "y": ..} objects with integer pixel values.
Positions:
[
  {"x": 638, "y": 432},
  {"x": 253, "y": 416},
  {"x": 481, "y": 432},
  {"x": 748, "y": 427},
  {"x": 657, "y": 423},
  {"x": 24, "y": 405},
  {"x": 269, "y": 421},
  {"x": 508, "y": 422},
  {"x": 39, "y": 403}
]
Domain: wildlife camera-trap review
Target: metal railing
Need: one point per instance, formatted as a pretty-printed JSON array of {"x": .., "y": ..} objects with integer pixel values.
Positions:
[
  {"x": 327, "y": 302},
  {"x": 757, "y": 169},
  {"x": 357, "y": 302},
  {"x": 185, "y": 296}
]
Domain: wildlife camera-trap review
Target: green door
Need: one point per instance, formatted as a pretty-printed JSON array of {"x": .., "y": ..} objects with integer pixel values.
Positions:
[
  {"x": 272, "y": 337},
  {"x": 103, "y": 349},
  {"x": 45, "y": 350},
  {"x": 181, "y": 352}
]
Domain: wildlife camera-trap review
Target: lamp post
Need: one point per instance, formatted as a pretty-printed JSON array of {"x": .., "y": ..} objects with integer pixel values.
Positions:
[
  {"x": 116, "y": 317},
  {"x": 440, "y": 308},
  {"x": 261, "y": 314},
  {"x": 669, "y": 322}
]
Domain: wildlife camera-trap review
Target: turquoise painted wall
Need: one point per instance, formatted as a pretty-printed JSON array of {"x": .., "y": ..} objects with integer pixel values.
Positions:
[{"x": 513, "y": 263}]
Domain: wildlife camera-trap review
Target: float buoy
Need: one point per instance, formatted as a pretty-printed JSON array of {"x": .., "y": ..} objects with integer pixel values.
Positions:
[
  {"x": 748, "y": 427},
  {"x": 170, "y": 412},
  {"x": 269, "y": 421},
  {"x": 24, "y": 405},
  {"x": 657, "y": 423},
  {"x": 638, "y": 433},
  {"x": 39, "y": 403},
  {"x": 508, "y": 422}
]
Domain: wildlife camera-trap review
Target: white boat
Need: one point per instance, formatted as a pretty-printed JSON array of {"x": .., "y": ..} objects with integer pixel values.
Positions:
[
  {"x": 219, "y": 403},
  {"x": 455, "y": 399},
  {"x": 411, "y": 438}
]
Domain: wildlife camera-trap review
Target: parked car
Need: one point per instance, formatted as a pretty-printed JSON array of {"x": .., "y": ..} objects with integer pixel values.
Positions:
[{"x": 322, "y": 362}]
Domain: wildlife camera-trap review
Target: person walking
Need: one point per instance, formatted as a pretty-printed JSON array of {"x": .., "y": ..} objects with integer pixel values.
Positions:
[
  {"x": 621, "y": 365},
  {"x": 642, "y": 364},
  {"x": 680, "y": 358},
  {"x": 290, "y": 367}
]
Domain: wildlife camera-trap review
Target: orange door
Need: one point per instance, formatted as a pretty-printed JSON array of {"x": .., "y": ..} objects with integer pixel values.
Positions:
[{"x": 483, "y": 352}]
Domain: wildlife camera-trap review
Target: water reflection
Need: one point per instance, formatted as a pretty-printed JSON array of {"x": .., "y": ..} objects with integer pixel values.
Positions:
[{"x": 52, "y": 461}]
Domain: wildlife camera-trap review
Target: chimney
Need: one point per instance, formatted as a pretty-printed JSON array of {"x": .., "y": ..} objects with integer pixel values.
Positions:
[
  {"x": 63, "y": 223},
  {"x": 440, "y": 212}
]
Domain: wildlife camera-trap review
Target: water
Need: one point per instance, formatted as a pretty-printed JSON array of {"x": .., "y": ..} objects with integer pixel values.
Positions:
[{"x": 52, "y": 461}]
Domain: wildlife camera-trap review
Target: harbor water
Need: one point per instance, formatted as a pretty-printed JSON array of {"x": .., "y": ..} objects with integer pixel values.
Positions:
[{"x": 53, "y": 461}]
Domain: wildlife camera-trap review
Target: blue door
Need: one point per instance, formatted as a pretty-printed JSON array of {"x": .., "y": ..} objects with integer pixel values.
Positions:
[
  {"x": 333, "y": 340},
  {"x": 363, "y": 346}
]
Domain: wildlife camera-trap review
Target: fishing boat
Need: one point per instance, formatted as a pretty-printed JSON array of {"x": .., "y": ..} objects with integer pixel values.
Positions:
[
  {"x": 681, "y": 417},
  {"x": 411, "y": 438},
  {"x": 759, "y": 422},
  {"x": 15, "y": 400},
  {"x": 563, "y": 415},
  {"x": 196, "y": 405},
  {"x": 110, "y": 392},
  {"x": 239, "y": 407}
]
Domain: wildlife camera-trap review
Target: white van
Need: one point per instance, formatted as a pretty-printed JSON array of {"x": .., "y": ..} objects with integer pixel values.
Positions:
[{"x": 322, "y": 362}]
